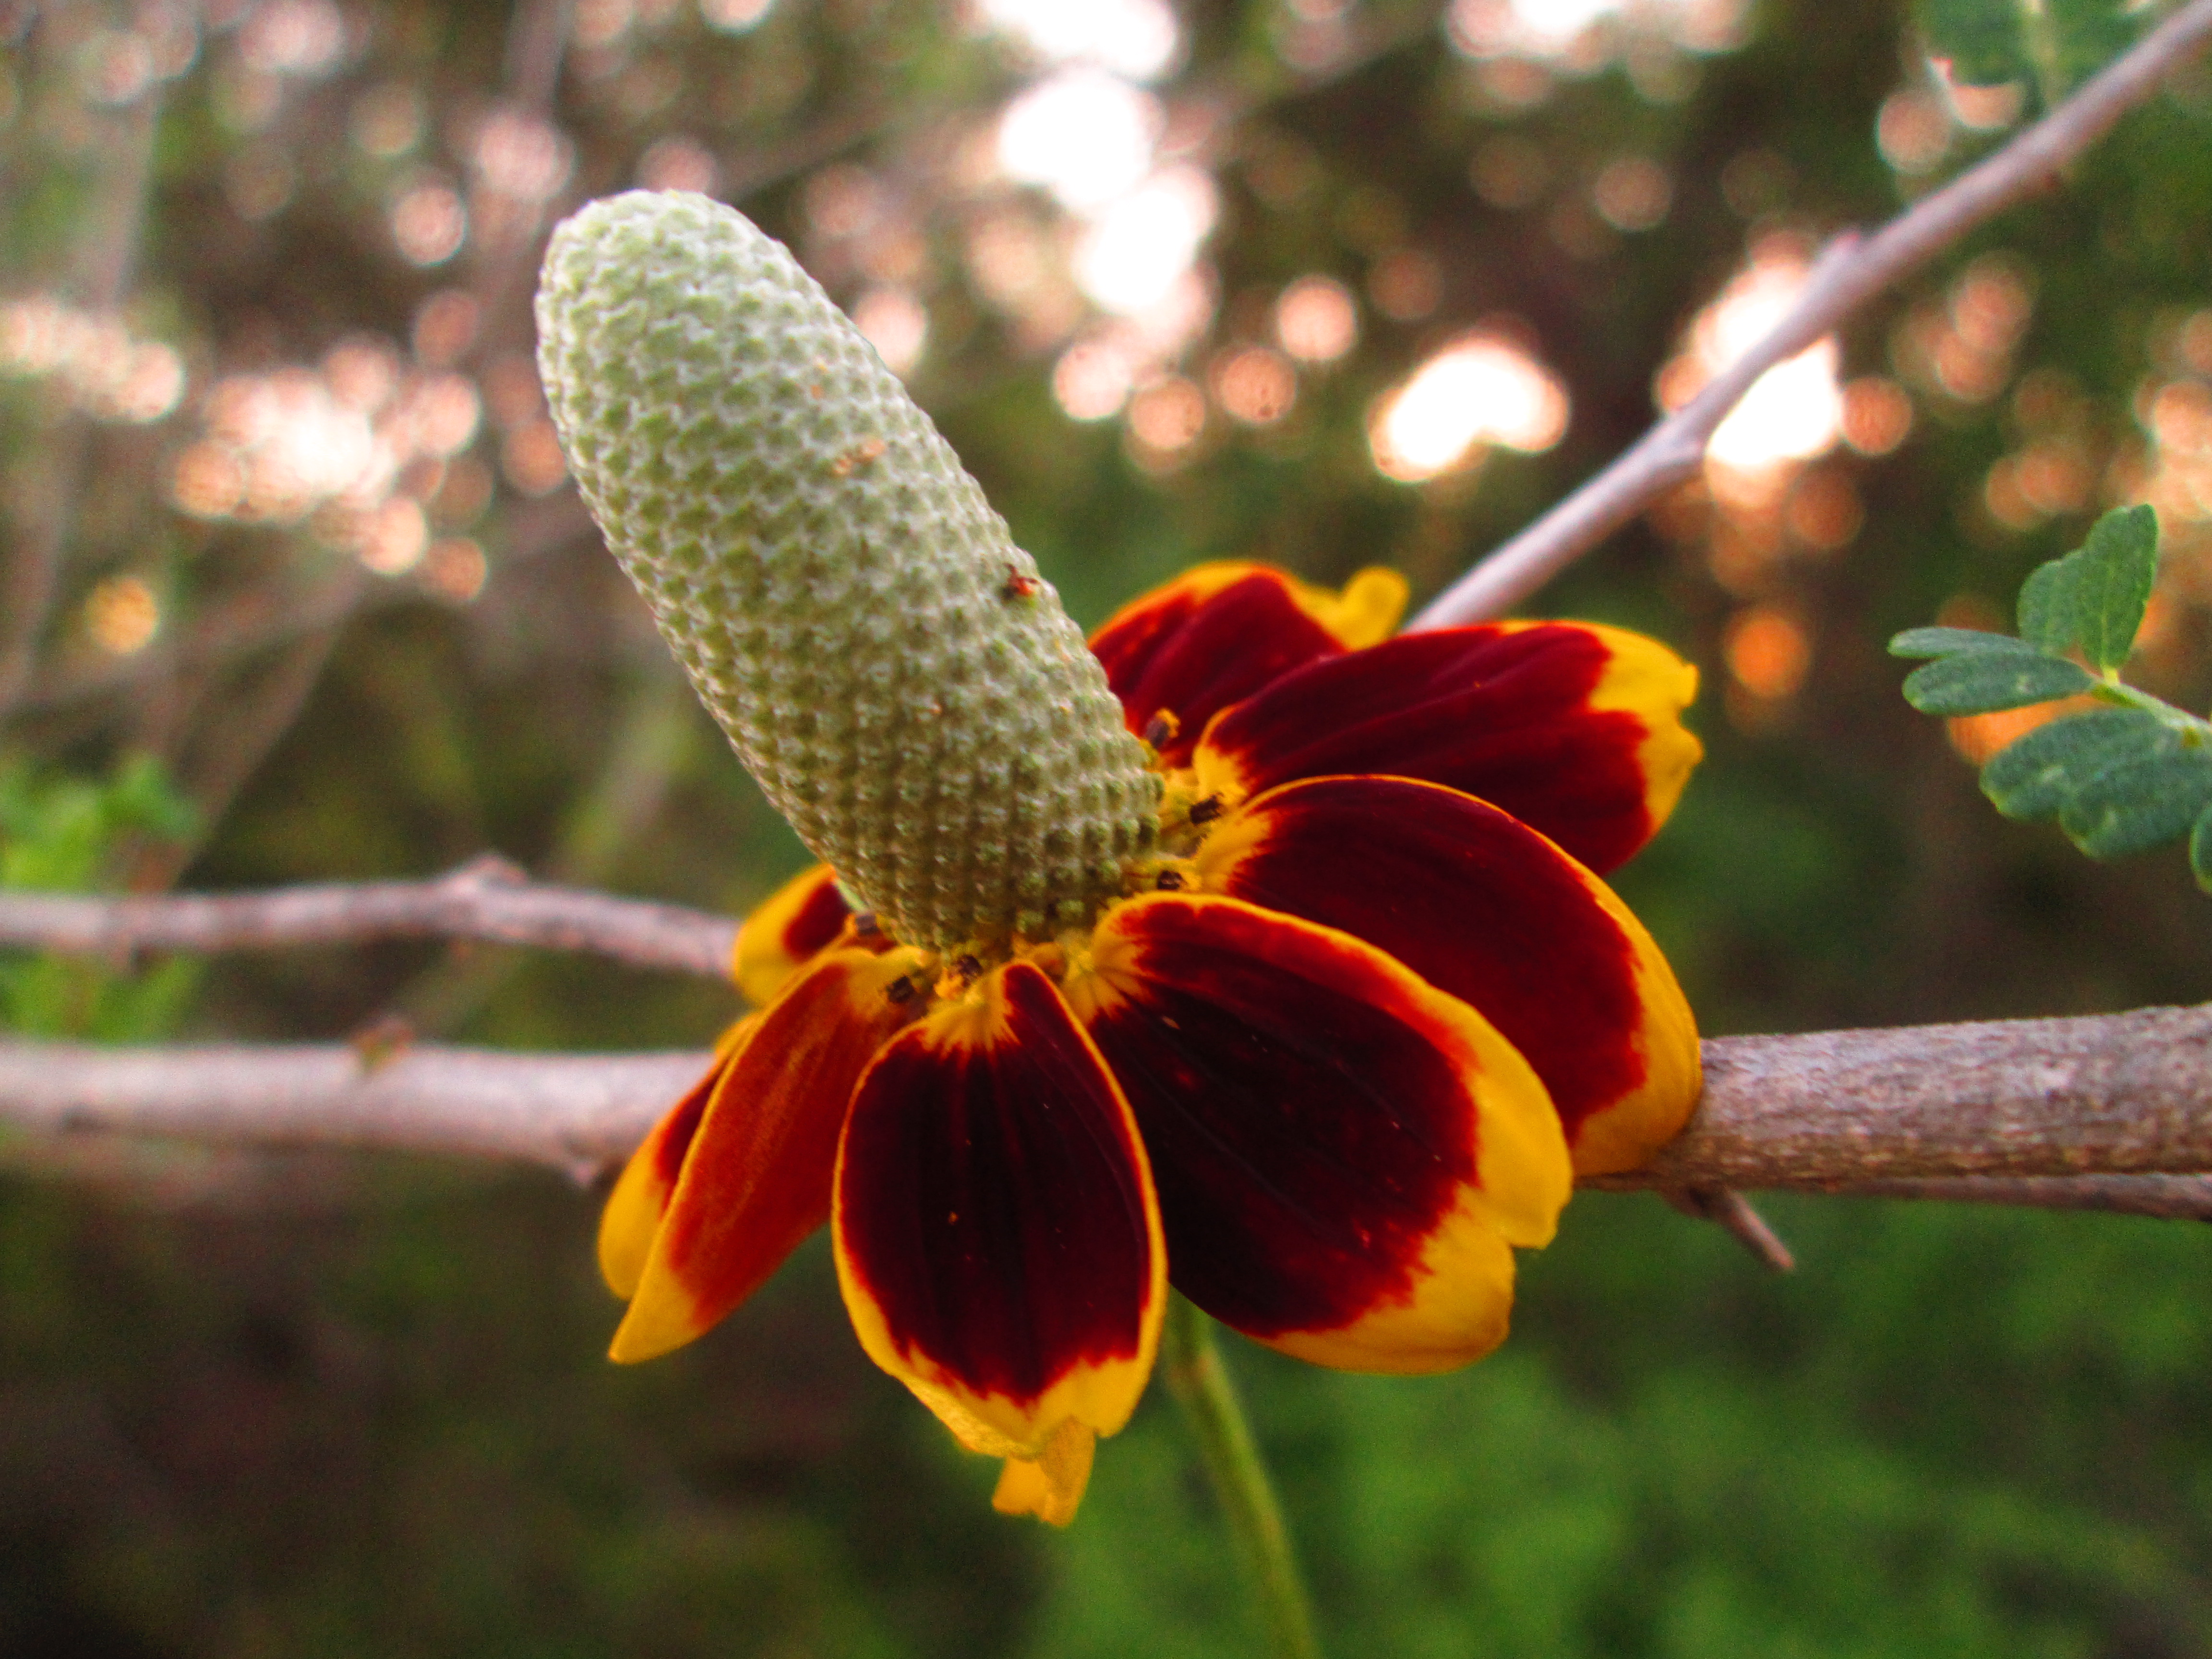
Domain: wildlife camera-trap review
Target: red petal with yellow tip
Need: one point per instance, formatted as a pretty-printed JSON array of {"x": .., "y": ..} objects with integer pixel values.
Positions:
[
  {"x": 1571, "y": 727},
  {"x": 755, "y": 1180},
  {"x": 1345, "y": 1155},
  {"x": 998, "y": 1239},
  {"x": 640, "y": 1197},
  {"x": 801, "y": 920},
  {"x": 1220, "y": 632},
  {"x": 1484, "y": 908}
]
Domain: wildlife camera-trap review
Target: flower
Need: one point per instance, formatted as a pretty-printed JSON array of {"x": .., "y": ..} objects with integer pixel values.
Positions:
[{"x": 1354, "y": 1022}]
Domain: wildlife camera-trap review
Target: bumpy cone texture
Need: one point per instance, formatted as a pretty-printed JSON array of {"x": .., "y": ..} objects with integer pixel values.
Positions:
[{"x": 882, "y": 657}]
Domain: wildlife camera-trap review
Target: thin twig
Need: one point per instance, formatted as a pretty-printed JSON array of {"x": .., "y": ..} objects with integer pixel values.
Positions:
[
  {"x": 484, "y": 899},
  {"x": 1849, "y": 273},
  {"x": 2013, "y": 1102},
  {"x": 1732, "y": 1212}
]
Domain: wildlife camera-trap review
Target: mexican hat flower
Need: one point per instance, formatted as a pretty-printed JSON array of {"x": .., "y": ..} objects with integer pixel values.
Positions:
[{"x": 1243, "y": 947}]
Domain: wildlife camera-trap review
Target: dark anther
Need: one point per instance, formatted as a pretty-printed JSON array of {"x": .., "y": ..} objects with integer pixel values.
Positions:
[
  {"x": 1170, "y": 881},
  {"x": 900, "y": 990},
  {"x": 865, "y": 924},
  {"x": 1206, "y": 811},
  {"x": 968, "y": 967},
  {"x": 1160, "y": 728}
]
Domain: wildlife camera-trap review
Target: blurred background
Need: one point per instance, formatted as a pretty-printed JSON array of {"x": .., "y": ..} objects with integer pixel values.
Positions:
[{"x": 295, "y": 587}]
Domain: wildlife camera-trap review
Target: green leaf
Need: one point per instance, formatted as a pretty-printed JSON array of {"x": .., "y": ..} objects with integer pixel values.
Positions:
[
  {"x": 2140, "y": 803},
  {"x": 2046, "y": 607},
  {"x": 2112, "y": 578},
  {"x": 2094, "y": 597},
  {"x": 1976, "y": 682},
  {"x": 2038, "y": 776},
  {"x": 1947, "y": 641}
]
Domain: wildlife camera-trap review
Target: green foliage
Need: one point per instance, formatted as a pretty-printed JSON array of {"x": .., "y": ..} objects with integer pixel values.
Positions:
[
  {"x": 2094, "y": 598},
  {"x": 2119, "y": 780},
  {"x": 2053, "y": 44},
  {"x": 60, "y": 833}
]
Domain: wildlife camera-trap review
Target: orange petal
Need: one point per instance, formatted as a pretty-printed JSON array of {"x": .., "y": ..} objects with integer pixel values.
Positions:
[
  {"x": 1221, "y": 631},
  {"x": 640, "y": 1197},
  {"x": 1485, "y": 909},
  {"x": 1573, "y": 728},
  {"x": 756, "y": 1179},
  {"x": 1345, "y": 1155},
  {"x": 998, "y": 1238},
  {"x": 801, "y": 920}
]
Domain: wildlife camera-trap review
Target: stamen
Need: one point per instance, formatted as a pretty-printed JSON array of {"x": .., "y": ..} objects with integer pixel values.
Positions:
[
  {"x": 865, "y": 924},
  {"x": 968, "y": 967},
  {"x": 1170, "y": 881},
  {"x": 1206, "y": 811},
  {"x": 1162, "y": 728},
  {"x": 901, "y": 990}
]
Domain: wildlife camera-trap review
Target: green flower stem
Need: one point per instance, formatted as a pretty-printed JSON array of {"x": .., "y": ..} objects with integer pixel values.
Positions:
[{"x": 1201, "y": 1387}]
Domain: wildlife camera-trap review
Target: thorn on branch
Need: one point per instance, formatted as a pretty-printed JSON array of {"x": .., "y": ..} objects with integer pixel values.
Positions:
[{"x": 1731, "y": 1212}]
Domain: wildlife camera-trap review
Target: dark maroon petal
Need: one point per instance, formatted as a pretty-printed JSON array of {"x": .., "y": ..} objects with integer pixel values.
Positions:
[
  {"x": 1483, "y": 907},
  {"x": 995, "y": 1226},
  {"x": 1194, "y": 647},
  {"x": 1571, "y": 727},
  {"x": 1317, "y": 1118}
]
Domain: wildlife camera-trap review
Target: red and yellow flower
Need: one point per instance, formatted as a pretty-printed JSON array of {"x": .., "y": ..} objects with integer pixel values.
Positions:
[{"x": 1339, "y": 1050}]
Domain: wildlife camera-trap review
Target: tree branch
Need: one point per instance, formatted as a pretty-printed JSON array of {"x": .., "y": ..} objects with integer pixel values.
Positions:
[
  {"x": 1850, "y": 272},
  {"x": 2099, "y": 1113},
  {"x": 484, "y": 899}
]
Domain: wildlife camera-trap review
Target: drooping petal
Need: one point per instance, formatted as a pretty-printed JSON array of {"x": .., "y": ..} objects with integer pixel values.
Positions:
[
  {"x": 640, "y": 1197},
  {"x": 1049, "y": 1487},
  {"x": 799, "y": 920},
  {"x": 1572, "y": 728},
  {"x": 1345, "y": 1155},
  {"x": 757, "y": 1178},
  {"x": 1484, "y": 908},
  {"x": 998, "y": 1238},
  {"x": 1221, "y": 631}
]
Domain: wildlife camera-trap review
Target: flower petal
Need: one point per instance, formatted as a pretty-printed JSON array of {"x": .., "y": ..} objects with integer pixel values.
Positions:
[
  {"x": 799, "y": 920},
  {"x": 1221, "y": 631},
  {"x": 756, "y": 1179},
  {"x": 998, "y": 1238},
  {"x": 1344, "y": 1154},
  {"x": 640, "y": 1197},
  {"x": 1485, "y": 909},
  {"x": 1572, "y": 728},
  {"x": 1051, "y": 1485}
]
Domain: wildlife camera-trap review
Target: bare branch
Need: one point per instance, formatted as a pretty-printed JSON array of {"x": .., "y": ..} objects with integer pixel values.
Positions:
[
  {"x": 1849, "y": 273},
  {"x": 2099, "y": 1113},
  {"x": 573, "y": 1112},
  {"x": 484, "y": 899}
]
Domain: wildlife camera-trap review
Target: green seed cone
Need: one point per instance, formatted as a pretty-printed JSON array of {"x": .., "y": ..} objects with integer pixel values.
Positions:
[{"x": 847, "y": 605}]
